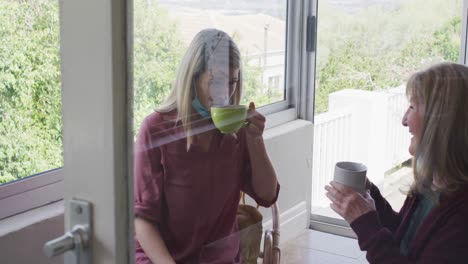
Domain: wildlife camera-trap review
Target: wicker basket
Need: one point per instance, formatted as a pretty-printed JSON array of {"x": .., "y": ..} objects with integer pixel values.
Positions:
[{"x": 250, "y": 226}]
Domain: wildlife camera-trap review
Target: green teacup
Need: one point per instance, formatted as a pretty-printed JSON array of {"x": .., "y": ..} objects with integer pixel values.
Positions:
[{"x": 229, "y": 119}]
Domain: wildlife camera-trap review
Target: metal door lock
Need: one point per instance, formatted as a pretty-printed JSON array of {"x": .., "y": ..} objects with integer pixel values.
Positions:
[{"x": 76, "y": 242}]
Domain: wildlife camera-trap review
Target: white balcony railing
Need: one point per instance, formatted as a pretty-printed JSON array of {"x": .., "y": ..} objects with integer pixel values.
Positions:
[
  {"x": 330, "y": 145},
  {"x": 361, "y": 126}
]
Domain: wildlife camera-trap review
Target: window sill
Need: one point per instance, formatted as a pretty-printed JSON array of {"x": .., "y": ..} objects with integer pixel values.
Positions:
[
  {"x": 31, "y": 192},
  {"x": 280, "y": 118},
  {"x": 285, "y": 128},
  {"x": 26, "y": 219}
]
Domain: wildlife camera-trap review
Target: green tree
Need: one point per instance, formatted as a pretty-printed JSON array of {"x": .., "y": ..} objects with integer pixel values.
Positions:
[
  {"x": 378, "y": 48},
  {"x": 30, "y": 105},
  {"x": 158, "y": 49},
  {"x": 447, "y": 40}
]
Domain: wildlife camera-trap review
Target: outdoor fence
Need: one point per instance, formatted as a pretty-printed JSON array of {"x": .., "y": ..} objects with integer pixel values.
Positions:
[{"x": 361, "y": 126}]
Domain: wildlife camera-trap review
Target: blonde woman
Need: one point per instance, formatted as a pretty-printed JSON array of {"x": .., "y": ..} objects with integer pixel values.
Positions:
[
  {"x": 188, "y": 176},
  {"x": 431, "y": 227}
]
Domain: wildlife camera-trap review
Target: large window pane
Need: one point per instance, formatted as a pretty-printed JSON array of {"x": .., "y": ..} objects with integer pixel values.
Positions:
[
  {"x": 366, "y": 51},
  {"x": 30, "y": 104},
  {"x": 163, "y": 29},
  {"x": 196, "y": 65}
]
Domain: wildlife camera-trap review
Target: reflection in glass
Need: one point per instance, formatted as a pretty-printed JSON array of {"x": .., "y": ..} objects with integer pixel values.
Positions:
[
  {"x": 188, "y": 175},
  {"x": 163, "y": 30}
]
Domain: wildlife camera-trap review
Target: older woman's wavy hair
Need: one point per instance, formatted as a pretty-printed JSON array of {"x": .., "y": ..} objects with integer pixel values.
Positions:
[
  {"x": 208, "y": 47},
  {"x": 442, "y": 152}
]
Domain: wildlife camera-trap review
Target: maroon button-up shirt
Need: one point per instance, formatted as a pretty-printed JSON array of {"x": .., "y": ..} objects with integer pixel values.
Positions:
[{"x": 192, "y": 196}]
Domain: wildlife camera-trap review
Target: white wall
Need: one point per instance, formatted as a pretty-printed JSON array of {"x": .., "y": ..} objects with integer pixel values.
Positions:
[{"x": 289, "y": 147}]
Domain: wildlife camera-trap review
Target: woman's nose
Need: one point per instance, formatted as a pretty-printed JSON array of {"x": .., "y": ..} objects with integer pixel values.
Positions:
[{"x": 404, "y": 120}]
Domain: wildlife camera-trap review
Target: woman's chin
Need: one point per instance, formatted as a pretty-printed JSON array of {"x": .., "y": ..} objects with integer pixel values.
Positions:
[
  {"x": 412, "y": 146},
  {"x": 412, "y": 149}
]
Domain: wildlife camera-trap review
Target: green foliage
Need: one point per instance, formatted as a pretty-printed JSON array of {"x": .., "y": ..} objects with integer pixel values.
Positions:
[
  {"x": 30, "y": 106},
  {"x": 447, "y": 39},
  {"x": 379, "y": 48},
  {"x": 158, "y": 49}
]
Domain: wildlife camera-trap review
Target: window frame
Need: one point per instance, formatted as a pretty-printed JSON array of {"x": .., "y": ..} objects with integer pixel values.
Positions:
[
  {"x": 31, "y": 192},
  {"x": 46, "y": 187},
  {"x": 288, "y": 110},
  {"x": 463, "y": 38}
]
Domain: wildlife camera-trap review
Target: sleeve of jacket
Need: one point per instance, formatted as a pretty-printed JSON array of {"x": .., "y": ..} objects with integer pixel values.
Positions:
[
  {"x": 247, "y": 177},
  {"x": 148, "y": 174},
  {"x": 449, "y": 244},
  {"x": 388, "y": 217}
]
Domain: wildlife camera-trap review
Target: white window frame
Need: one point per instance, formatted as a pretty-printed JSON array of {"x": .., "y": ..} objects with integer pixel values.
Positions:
[{"x": 288, "y": 110}]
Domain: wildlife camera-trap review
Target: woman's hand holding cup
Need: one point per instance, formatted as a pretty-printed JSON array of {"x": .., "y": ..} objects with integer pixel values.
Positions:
[
  {"x": 349, "y": 191},
  {"x": 256, "y": 122},
  {"x": 348, "y": 203}
]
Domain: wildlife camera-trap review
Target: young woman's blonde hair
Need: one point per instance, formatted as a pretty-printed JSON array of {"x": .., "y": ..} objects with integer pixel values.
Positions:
[
  {"x": 442, "y": 151},
  {"x": 200, "y": 54}
]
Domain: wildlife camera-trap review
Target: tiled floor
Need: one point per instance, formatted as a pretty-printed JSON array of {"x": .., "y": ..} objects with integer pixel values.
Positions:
[{"x": 313, "y": 247}]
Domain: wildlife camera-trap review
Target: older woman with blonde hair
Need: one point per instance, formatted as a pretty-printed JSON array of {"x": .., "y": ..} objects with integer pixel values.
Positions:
[
  {"x": 188, "y": 175},
  {"x": 431, "y": 227}
]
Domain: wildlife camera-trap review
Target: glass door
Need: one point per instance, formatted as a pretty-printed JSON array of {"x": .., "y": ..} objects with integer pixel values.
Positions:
[{"x": 365, "y": 52}]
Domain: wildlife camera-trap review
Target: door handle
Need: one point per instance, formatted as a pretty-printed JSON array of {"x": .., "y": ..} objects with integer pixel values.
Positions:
[
  {"x": 77, "y": 238},
  {"x": 75, "y": 244}
]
